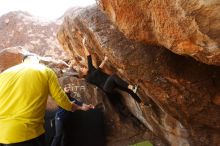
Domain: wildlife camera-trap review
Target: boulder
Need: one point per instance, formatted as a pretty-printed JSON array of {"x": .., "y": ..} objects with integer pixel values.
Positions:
[
  {"x": 10, "y": 57},
  {"x": 179, "y": 94},
  {"x": 188, "y": 28}
]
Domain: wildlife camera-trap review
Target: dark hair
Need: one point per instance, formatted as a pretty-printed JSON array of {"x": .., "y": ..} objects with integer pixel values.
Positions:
[{"x": 26, "y": 56}]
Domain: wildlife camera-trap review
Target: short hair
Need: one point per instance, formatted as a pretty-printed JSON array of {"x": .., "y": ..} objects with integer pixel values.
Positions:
[{"x": 27, "y": 55}]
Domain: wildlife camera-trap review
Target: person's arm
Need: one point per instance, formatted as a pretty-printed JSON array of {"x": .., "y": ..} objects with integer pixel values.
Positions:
[
  {"x": 82, "y": 105},
  {"x": 79, "y": 103},
  {"x": 89, "y": 63},
  {"x": 59, "y": 95},
  {"x": 86, "y": 51},
  {"x": 88, "y": 55},
  {"x": 85, "y": 107},
  {"x": 103, "y": 62},
  {"x": 69, "y": 94},
  {"x": 85, "y": 47}
]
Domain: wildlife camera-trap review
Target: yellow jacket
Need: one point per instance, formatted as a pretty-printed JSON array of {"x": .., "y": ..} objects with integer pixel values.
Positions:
[{"x": 24, "y": 89}]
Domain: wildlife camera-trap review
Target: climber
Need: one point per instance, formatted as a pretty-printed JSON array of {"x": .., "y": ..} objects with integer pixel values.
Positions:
[
  {"x": 63, "y": 115},
  {"x": 104, "y": 81},
  {"x": 24, "y": 92}
]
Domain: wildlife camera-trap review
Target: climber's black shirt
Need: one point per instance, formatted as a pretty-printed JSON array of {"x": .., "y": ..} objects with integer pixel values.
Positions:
[{"x": 95, "y": 75}]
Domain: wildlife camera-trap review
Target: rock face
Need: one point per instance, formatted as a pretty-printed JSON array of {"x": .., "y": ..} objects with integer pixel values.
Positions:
[
  {"x": 38, "y": 36},
  {"x": 184, "y": 27},
  {"x": 180, "y": 95},
  {"x": 10, "y": 57}
]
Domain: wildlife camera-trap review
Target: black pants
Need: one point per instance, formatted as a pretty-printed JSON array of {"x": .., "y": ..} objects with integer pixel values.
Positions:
[
  {"x": 59, "y": 123},
  {"x": 114, "y": 81},
  {"x": 39, "y": 141}
]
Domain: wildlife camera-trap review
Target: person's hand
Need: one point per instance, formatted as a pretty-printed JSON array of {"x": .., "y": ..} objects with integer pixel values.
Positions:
[
  {"x": 106, "y": 58},
  {"x": 91, "y": 106},
  {"x": 86, "y": 107}
]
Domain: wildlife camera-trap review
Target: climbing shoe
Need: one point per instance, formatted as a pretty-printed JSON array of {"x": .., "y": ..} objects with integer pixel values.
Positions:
[{"x": 135, "y": 87}]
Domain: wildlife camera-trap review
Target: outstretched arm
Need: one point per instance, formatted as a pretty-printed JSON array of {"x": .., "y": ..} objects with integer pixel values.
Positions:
[
  {"x": 86, "y": 107},
  {"x": 83, "y": 107},
  {"x": 103, "y": 62},
  {"x": 77, "y": 104},
  {"x": 88, "y": 55},
  {"x": 58, "y": 94},
  {"x": 85, "y": 47}
]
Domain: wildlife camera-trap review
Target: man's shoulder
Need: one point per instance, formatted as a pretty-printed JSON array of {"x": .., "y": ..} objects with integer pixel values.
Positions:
[
  {"x": 48, "y": 68},
  {"x": 42, "y": 68},
  {"x": 50, "y": 71}
]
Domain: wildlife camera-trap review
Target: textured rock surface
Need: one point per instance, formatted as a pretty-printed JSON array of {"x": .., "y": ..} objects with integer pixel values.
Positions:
[
  {"x": 10, "y": 57},
  {"x": 181, "y": 95},
  {"x": 38, "y": 36},
  {"x": 184, "y": 27}
]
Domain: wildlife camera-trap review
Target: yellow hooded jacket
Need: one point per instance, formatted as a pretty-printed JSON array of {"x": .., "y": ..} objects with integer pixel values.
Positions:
[{"x": 24, "y": 90}]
